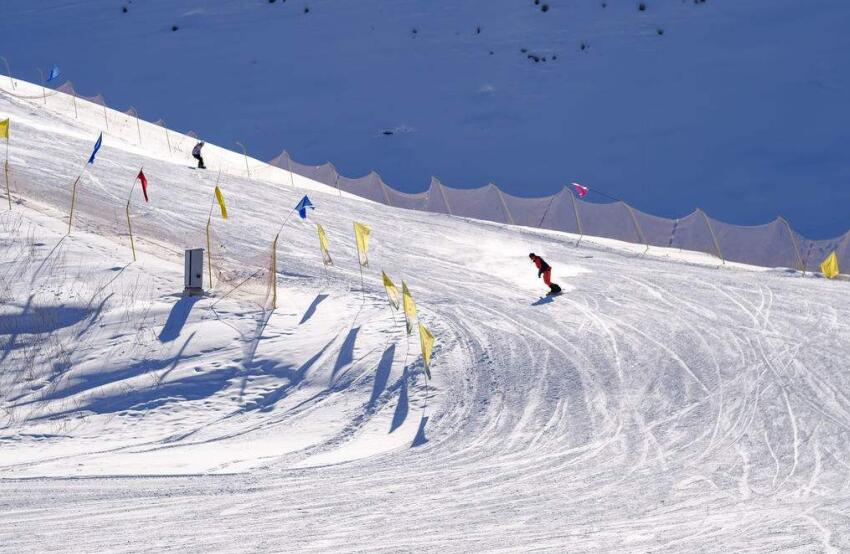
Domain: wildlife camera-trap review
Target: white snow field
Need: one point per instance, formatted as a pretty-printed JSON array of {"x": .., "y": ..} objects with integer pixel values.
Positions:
[{"x": 663, "y": 403}]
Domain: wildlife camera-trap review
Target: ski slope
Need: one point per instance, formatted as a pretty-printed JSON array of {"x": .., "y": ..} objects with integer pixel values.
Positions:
[{"x": 663, "y": 403}]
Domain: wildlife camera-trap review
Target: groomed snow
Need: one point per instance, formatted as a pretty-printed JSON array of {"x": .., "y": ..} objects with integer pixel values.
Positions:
[{"x": 663, "y": 403}]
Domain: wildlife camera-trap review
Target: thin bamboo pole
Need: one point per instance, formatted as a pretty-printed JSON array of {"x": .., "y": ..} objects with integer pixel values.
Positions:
[
  {"x": 6, "y": 173},
  {"x": 245, "y": 153},
  {"x": 505, "y": 206},
  {"x": 209, "y": 251},
  {"x": 43, "y": 90},
  {"x": 274, "y": 272},
  {"x": 637, "y": 227},
  {"x": 8, "y": 191},
  {"x": 794, "y": 243},
  {"x": 130, "y": 229},
  {"x": 130, "y": 225},
  {"x": 105, "y": 119},
  {"x": 578, "y": 220},
  {"x": 9, "y": 72},
  {"x": 73, "y": 201},
  {"x": 74, "y": 99},
  {"x": 138, "y": 125},
  {"x": 713, "y": 236},
  {"x": 445, "y": 199}
]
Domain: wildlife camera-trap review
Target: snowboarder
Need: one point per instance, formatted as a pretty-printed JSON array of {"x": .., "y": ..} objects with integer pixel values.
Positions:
[
  {"x": 196, "y": 153},
  {"x": 545, "y": 270}
]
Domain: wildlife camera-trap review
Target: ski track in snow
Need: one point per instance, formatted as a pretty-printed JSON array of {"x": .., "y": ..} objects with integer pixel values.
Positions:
[{"x": 657, "y": 405}]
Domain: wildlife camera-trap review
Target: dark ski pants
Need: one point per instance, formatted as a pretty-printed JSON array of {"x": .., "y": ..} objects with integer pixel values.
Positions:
[{"x": 200, "y": 161}]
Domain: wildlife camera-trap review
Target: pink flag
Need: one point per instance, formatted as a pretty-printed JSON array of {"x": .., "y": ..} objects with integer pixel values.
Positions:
[
  {"x": 141, "y": 177},
  {"x": 580, "y": 190}
]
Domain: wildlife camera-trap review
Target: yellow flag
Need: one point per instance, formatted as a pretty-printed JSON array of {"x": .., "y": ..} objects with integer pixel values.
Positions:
[
  {"x": 361, "y": 233},
  {"x": 220, "y": 198},
  {"x": 829, "y": 267},
  {"x": 323, "y": 244},
  {"x": 426, "y": 339},
  {"x": 409, "y": 307},
  {"x": 4, "y": 129},
  {"x": 392, "y": 291}
]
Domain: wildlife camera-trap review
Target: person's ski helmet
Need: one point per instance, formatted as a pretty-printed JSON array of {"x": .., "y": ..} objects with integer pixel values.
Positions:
[{"x": 531, "y": 255}]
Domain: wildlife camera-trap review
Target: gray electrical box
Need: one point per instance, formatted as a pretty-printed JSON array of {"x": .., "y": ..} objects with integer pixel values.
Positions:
[{"x": 193, "y": 277}]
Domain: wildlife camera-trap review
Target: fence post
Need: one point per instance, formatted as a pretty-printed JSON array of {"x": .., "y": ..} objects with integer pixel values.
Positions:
[
  {"x": 637, "y": 227},
  {"x": 245, "y": 153},
  {"x": 8, "y": 72},
  {"x": 713, "y": 236},
  {"x": 445, "y": 199},
  {"x": 578, "y": 219},
  {"x": 74, "y": 98},
  {"x": 43, "y": 91},
  {"x": 138, "y": 126},
  {"x": 504, "y": 205},
  {"x": 794, "y": 243}
]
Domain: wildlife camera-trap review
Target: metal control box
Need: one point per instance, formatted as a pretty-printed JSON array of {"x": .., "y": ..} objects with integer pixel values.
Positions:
[{"x": 193, "y": 278}]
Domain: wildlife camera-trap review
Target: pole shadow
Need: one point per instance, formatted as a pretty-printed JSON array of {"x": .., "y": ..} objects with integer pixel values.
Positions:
[{"x": 177, "y": 318}]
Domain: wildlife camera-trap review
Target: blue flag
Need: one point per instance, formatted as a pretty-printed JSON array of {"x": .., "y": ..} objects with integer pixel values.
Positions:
[
  {"x": 53, "y": 73},
  {"x": 303, "y": 205},
  {"x": 96, "y": 148}
]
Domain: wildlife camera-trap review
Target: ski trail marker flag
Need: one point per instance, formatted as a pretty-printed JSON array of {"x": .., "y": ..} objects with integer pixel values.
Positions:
[
  {"x": 361, "y": 233},
  {"x": 302, "y": 206},
  {"x": 220, "y": 198},
  {"x": 4, "y": 129},
  {"x": 323, "y": 244},
  {"x": 829, "y": 266},
  {"x": 409, "y": 307},
  {"x": 94, "y": 151},
  {"x": 580, "y": 190},
  {"x": 54, "y": 73},
  {"x": 392, "y": 291},
  {"x": 144, "y": 180},
  {"x": 426, "y": 339}
]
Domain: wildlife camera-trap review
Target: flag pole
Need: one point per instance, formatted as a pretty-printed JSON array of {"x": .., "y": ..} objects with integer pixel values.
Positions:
[
  {"x": 6, "y": 170},
  {"x": 274, "y": 272},
  {"x": 129, "y": 225},
  {"x": 73, "y": 200},
  {"x": 74, "y": 196}
]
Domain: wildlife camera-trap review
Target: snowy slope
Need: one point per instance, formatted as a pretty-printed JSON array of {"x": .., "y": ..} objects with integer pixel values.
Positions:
[
  {"x": 739, "y": 108},
  {"x": 662, "y": 403}
]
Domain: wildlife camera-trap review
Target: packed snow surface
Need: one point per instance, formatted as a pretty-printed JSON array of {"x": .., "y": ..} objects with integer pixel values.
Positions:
[{"x": 664, "y": 402}]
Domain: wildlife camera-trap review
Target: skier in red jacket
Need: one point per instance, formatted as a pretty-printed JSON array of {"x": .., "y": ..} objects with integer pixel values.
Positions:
[{"x": 545, "y": 270}]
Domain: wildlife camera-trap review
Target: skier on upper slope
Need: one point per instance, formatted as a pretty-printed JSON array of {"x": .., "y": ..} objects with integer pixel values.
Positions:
[
  {"x": 196, "y": 153},
  {"x": 545, "y": 270}
]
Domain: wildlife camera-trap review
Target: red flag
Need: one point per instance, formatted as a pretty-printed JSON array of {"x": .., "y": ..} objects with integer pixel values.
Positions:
[
  {"x": 141, "y": 177},
  {"x": 580, "y": 190}
]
